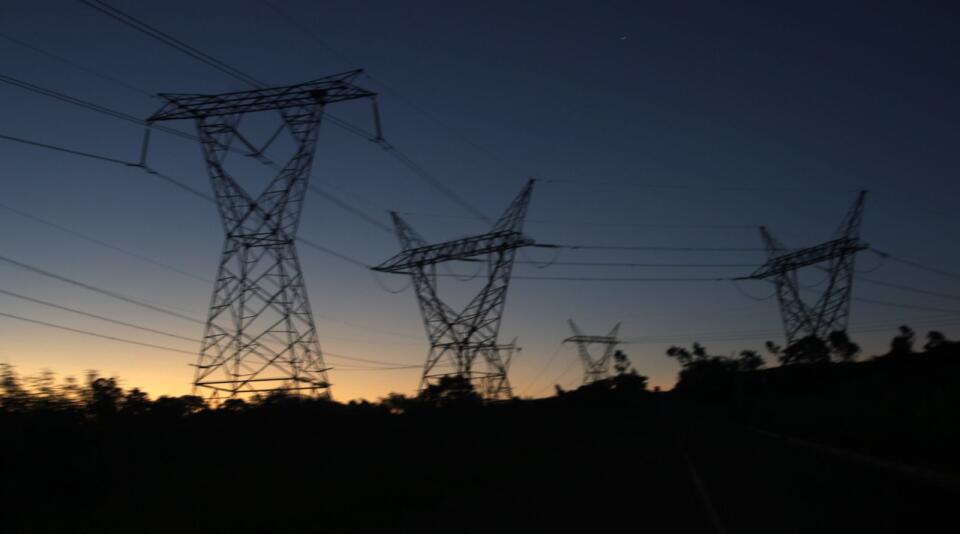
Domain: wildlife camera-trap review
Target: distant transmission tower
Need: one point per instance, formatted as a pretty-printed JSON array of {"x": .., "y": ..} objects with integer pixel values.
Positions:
[
  {"x": 594, "y": 369},
  {"x": 260, "y": 336},
  {"x": 831, "y": 311},
  {"x": 458, "y": 339}
]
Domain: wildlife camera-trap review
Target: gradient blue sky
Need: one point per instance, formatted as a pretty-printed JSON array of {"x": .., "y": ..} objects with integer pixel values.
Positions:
[{"x": 802, "y": 103}]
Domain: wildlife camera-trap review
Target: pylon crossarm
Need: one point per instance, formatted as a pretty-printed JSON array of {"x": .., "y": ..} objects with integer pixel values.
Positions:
[
  {"x": 808, "y": 256},
  {"x": 591, "y": 339},
  {"x": 460, "y": 249},
  {"x": 328, "y": 90}
]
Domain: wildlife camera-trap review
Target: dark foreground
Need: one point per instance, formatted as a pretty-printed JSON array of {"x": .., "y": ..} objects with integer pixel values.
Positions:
[{"x": 597, "y": 460}]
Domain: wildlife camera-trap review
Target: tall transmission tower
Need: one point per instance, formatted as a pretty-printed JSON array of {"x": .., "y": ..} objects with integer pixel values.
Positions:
[
  {"x": 594, "y": 369},
  {"x": 458, "y": 339},
  {"x": 260, "y": 336},
  {"x": 496, "y": 385},
  {"x": 831, "y": 310}
]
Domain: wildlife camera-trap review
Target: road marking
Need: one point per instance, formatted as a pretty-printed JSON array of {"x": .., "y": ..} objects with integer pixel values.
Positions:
[
  {"x": 704, "y": 495},
  {"x": 702, "y": 492},
  {"x": 904, "y": 469}
]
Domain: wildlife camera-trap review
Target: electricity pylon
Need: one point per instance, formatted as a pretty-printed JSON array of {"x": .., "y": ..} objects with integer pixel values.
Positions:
[
  {"x": 260, "y": 336},
  {"x": 594, "y": 369},
  {"x": 458, "y": 339},
  {"x": 496, "y": 385},
  {"x": 831, "y": 310}
]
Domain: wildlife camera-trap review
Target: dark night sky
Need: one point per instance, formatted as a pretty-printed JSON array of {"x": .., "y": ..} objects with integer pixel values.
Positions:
[{"x": 652, "y": 108}]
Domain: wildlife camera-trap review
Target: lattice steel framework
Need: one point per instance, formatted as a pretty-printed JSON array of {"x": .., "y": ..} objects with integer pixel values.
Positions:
[
  {"x": 260, "y": 336},
  {"x": 594, "y": 369},
  {"x": 831, "y": 311},
  {"x": 460, "y": 338}
]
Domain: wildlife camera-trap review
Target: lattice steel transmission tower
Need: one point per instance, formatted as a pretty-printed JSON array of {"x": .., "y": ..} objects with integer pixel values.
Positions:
[
  {"x": 459, "y": 339},
  {"x": 594, "y": 369},
  {"x": 260, "y": 336},
  {"x": 831, "y": 310}
]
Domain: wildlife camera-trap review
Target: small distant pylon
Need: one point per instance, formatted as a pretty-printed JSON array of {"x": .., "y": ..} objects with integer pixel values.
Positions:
[
  {"x": 459, "y": 339},
  {"x": 831, "y": 311},
  {"x": 594, "y": 369}
]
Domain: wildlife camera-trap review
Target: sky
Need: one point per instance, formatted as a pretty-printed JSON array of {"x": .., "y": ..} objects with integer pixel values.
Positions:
[{"x": 660, "y": 124}]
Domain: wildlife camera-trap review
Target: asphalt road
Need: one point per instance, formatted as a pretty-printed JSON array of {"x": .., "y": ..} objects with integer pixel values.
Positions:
[
  {"x": 535, "y": 468},
  {"x": 762, "y": 483}
]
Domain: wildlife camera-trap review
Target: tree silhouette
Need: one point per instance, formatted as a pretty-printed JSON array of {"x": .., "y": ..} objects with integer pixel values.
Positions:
[
  {"x": 136, "y": 402},
  {"x": 902, "y": 344},
  {"x": 841, "y": 346},
  {"x": 396, "y": 403},
  {"x": 621, "y": 364},
  {"x": 750, "y": 360},
  {"x": 450, "y": 390},
  {"x": 806, "y": 350},
  {"x": 13, "y": 396},
  {"x": 104, "y": 397},
  {"x": 935, "y": 341}
]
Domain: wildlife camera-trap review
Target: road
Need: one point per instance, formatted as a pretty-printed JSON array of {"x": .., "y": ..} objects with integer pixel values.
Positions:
[{"x": 762, "y": 483}]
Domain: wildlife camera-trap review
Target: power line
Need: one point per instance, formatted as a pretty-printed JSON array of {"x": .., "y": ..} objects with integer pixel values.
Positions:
[
  {"x": 915, "y": 264},
  {"x": 170, "y": 41},
  {"x": 195, "y": 192},
  {"x": 653, "y": 248},
  {"x": 368, "y": 360},
  {"x": 195, "y": 53},
  {"x": 557, "y": 379},
  {"x": 109, "y": 112},
  {"x": 94, "y": 334},
  {"x": 90, "y": 106},
  {"x": 764, "y": 332},
  {"x": 390, "y": 148},
  {"x": 333, "y": 355},
  {"x": 175, "y": 182},
  {"x": 67, "y": 150},
  {"x": 220, "y": 65},
  {"x": 332, "y": 252},
  {"x": 125, "y": 163},
  {"x": 66, "y": 61},
  {"x": 368, "y": 369},
  {"x": 178, "y": 184},
  {"x": 350, "y": 64},
  {"x": 96, "y": 316},
  {"x": 351, "y": 209},
  {"x": 104, "y": 244},
  {"x": 543, "y": 369},
  {"x": 129, "y": 118},
  {"x": 598, "y": 223},
  {"x": 118, "y": 115},
  {"x": 752, "y": 335},
  {"x": 704, "y": 187},
  {"x": 909, "y": 288},
  {"x": 100, "y": 290},
  {"x": 601, "y": 279},
  {"x": 631, "y": 264},
  {"x": 424, "y": 175},
  {"x": 367, "y": 328},
  {"x": 387, "y": 365},
  {"x": 904, "y": 306}
]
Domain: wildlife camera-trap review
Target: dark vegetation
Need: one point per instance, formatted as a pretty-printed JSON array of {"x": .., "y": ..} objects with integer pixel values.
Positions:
[
  {"x": 93, "y": 457},
  {"x": 901, "y": 405}
]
